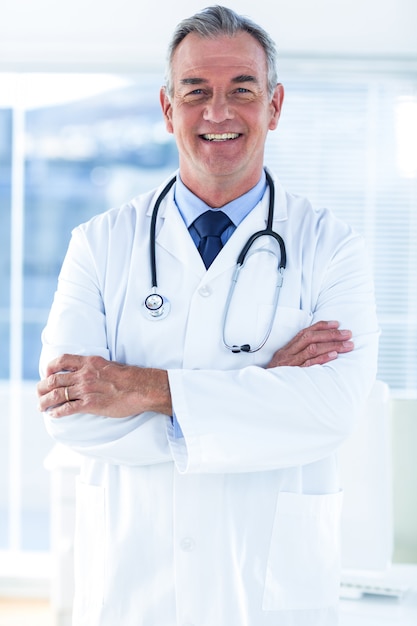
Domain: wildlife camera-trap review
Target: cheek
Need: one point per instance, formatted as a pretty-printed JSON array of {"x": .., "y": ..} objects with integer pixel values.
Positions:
[
  {"x": 176, "y": 121},
  {"x": 185, "y": 125}
]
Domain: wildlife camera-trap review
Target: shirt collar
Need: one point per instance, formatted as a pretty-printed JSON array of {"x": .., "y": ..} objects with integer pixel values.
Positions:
[{"x": 191, "y": 206}]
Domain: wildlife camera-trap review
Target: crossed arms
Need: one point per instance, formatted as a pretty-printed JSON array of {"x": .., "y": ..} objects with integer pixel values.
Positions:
[{"x": 94, "y": 385}]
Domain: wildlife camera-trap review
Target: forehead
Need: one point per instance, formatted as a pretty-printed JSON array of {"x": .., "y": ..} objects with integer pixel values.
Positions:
[{"x": 198, "y": 56}]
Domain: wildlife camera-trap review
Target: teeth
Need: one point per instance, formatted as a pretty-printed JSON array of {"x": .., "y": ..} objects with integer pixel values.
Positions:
[{"x": 220, "y": 136}]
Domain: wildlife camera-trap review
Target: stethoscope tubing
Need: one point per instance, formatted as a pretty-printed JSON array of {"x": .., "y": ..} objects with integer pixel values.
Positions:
[
  {"x": 156, "y": 311},
  {"x": 152, "y": 234}
]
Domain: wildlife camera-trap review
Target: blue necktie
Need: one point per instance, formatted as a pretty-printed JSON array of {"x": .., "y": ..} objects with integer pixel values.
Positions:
[{"x": 210, "y": 226}]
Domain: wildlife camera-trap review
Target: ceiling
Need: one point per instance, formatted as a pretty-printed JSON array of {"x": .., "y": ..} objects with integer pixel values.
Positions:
[{"x": 99, "y": 34}]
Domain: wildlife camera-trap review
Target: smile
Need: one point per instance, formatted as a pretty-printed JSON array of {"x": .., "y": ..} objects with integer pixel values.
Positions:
[{"x": 220, "y": 136}]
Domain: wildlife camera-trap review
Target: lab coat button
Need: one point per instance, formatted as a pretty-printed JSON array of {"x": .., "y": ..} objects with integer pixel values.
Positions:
[
  {"x": 187, "y": 544},
  {"x": 205, "y": 291}
]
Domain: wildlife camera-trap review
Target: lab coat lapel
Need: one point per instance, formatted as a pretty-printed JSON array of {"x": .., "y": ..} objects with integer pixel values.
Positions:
[{"x": 172, "y": 234}]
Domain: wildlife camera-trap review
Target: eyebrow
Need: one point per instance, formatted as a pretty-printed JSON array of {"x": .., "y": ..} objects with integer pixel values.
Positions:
[
  {"x": 245, "y": 78},
  {"x": 242, "y": 78},
  {"x": 193, "y": 81}
]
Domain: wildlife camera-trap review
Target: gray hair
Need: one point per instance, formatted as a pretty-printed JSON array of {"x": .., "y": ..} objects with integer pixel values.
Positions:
[{"x": 215, "y": 21}]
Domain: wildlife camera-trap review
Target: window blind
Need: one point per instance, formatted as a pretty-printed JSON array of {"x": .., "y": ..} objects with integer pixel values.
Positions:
[{"x": 349, "y": 144}]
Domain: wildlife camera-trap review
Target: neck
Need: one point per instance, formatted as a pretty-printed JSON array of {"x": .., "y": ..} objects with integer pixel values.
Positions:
[{"x": 219, "y": 191}]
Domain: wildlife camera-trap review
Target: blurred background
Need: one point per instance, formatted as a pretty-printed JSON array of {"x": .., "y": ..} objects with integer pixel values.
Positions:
[{"x": 81, "y": 131}]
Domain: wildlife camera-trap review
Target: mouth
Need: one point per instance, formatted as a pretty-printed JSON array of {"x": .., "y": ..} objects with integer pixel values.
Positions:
[{"x": 220, "y": 136}]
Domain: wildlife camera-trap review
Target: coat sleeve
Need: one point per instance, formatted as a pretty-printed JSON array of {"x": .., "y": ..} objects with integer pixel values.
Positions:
[
  {"x": 255, "y": 419},
  {"x": 77, "y": 325}
]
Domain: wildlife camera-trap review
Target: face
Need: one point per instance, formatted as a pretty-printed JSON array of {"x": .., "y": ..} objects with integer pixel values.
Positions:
[{"x": 220, "y": 111}]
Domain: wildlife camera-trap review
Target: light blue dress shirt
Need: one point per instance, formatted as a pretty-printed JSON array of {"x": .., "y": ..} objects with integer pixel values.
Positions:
[{"x": 191, "y": 207}]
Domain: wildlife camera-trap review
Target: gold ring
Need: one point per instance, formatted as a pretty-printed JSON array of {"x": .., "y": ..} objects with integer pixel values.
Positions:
[{"x": 66, "y": 394}]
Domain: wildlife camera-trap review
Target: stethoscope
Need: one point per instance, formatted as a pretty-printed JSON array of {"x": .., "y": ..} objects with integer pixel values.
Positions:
[{"x": 157, "y": 307}]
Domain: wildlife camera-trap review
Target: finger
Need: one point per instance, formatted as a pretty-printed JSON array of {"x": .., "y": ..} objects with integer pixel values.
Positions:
[
  {"x": 41, "y": 388},
  {"x": 325, "y": 324},
  {"x": 312, "y": 336},
  {"x": 330, "y": 334},
  {"x": 320, "y": 354},
  {"x": 57, "y": 373},
  {"x": 318, "y": 332},
  {"x": 57, "y": 397},
  {"x": 65, "y": 362},
  {"x": 67, "y": 408},
  {"x": 55, "y": 383},
  {"x": 54, "y": 398},
  {"x": 318, "y": 349},
  {"x": 321, "y": 360}
]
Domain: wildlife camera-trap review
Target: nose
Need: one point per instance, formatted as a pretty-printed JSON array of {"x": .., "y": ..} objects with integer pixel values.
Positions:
[{"x": 218, "y": 109}]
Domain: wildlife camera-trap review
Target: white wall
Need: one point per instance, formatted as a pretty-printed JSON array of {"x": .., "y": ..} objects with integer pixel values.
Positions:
[
  {"x": 404, "y": 446},
  {"x": 132, "y": 34}
]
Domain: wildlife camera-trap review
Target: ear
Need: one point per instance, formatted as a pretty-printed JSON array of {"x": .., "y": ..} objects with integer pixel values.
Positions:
[
  {"x": 276, "y": 106},
  {"x": 166, "y": 109}
]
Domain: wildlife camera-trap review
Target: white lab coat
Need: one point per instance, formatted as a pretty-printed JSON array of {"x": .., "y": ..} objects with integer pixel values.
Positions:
[{"x": 235, "y": 524}]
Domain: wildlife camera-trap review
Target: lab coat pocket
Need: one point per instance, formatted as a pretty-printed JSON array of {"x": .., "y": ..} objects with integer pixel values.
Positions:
[
  {"x": 89, "y": 561},
  {"x": 287, "y": 323},
  {"x": 303, "y": 567}
]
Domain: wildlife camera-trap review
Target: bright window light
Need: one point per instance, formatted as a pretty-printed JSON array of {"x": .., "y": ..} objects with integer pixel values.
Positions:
[
  {"x": 406, "y": 137},
  {"x": 44, "y": 90}
]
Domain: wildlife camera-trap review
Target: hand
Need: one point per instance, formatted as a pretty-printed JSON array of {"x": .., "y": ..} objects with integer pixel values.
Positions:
[
  {"x": 91, "y": 384},
  {"x": 316, "y": 345}
]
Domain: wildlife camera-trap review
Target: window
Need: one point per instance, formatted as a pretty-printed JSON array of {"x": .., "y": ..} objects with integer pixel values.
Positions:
[
  {"x": 79, "y": 145},
  {"x": 350, "y": 144},
  {"x": 72, "y": 146}
]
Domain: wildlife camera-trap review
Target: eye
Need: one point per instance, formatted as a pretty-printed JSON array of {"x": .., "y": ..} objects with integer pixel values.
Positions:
[
  {"x": 195, "y": 95},
  {"x": 244, "y": 94}
]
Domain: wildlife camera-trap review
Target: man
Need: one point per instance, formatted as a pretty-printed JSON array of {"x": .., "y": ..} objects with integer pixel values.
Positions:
[{"x": 209, "y": 492}]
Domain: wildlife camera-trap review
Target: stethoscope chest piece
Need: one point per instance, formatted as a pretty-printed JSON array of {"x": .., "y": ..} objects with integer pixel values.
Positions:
[{"x": 156, "y": 307}]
